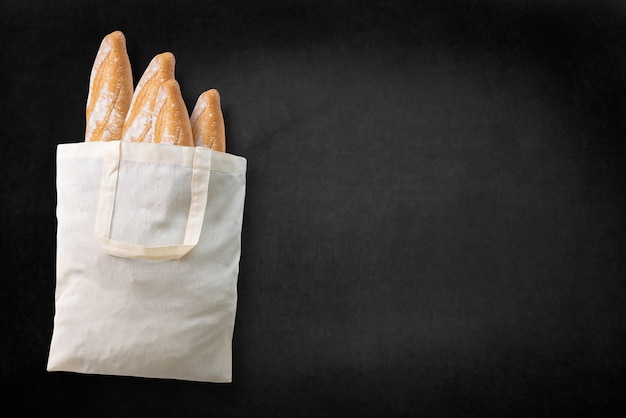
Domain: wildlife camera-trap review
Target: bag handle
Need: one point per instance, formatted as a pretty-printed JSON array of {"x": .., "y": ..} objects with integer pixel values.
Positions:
[{"x": 198, "y": 158}]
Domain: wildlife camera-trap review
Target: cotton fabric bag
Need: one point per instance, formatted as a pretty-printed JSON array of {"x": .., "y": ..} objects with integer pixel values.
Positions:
[{"x": 148, "y": 248}]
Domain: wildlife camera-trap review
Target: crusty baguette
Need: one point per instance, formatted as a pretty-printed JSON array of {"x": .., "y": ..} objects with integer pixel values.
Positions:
[
  {"x": 110, "y": 90},
  {"x": 207, "y": 122},
  {"x": 170, "y": 119},
  {"x": 138, "y": 123}
]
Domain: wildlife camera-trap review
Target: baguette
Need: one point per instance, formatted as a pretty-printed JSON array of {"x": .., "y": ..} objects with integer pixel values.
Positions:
[
  {"x": 138, "y": 123},
  {"x": 207, "y": 122},
  {"x": 170, "y": 121},
  {"x": 110, "y": 90}
]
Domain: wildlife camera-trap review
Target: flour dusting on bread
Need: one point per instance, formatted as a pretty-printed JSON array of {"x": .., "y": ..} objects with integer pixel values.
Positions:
[{"x": 110, "y": 90}]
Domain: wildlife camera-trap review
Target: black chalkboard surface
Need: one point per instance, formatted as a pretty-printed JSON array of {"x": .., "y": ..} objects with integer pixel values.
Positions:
[{"x": 434, "y": 220}]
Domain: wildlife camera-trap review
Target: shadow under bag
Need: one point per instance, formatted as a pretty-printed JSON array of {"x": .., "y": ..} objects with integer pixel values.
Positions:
[{"x": 148, "y": 248}]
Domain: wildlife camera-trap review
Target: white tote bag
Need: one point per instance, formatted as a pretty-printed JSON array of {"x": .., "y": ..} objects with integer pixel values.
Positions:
[{"x": 148, "y": 247}]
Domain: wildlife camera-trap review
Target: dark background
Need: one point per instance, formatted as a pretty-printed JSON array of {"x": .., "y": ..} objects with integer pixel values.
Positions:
[{"x": 435, "y": 217}]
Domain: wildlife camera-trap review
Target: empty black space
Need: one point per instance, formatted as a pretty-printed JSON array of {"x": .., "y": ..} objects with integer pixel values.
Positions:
[{"x": 435, "y": 210}]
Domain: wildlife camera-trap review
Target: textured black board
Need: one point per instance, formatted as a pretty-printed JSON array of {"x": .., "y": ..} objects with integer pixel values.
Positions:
[{"x": 434, "y": 223}]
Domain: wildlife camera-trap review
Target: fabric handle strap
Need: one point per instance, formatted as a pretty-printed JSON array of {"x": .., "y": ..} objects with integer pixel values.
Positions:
[{"x": 201, "y": 170}]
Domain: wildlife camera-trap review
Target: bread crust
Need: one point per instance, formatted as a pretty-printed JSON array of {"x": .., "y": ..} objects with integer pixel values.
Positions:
[
  {"x": 138, "y": 123},
  {"x": 110, "y": 90},
  {"x": 207, "y": 122},
  {"x": 170, "y": 118}
]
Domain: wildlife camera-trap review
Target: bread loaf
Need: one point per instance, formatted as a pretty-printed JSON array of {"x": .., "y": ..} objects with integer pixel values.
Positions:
[
  {"x": 207, "y": 122},
  {"x": 170, "y": 118},
  {"x": 156, "y": 112},
  {"x": 138, "y": 123},
  {"x": 110, "y": 90}
]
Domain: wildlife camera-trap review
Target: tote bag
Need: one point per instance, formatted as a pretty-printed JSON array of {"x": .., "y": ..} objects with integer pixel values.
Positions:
[{"x": 148, "y": 249}]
